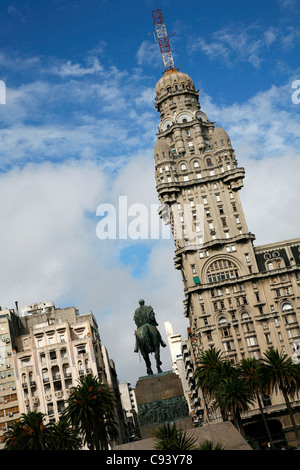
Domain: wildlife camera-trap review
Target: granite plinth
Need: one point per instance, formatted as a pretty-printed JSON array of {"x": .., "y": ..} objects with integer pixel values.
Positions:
[{"x": 160, "y": 399}]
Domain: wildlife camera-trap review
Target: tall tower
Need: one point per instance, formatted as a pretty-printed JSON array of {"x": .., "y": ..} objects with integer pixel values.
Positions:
[{"x": 237, "y": 296}]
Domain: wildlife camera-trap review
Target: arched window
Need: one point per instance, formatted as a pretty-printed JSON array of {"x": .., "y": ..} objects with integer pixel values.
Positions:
[
  {"x": 196, "y": 164},
  {"x": 245, "y": 316},
  {"x": 222, "y": 269},
  {"x": 208, "y": 162},
  {"x": 270, "y": 265},
  {"x": 286, "y": 306},
  {"x": 183, "y": 166}
]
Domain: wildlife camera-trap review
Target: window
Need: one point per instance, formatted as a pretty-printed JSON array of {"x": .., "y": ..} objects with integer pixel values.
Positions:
[
  {"x": 267, "y": 337},
  {"x": 25, "y": 361},
  {"x": 251, "y": 341},
  {"x": 286, "y": 306},
  {"x": 222, "y": 269},
  {"x": 183, "y": 166},
  {"x": 229, "y": 346},
  {"x": 293, "y": 333},
  {"x": 52, "y": 355},
  {"x": 245, "y": 316}
]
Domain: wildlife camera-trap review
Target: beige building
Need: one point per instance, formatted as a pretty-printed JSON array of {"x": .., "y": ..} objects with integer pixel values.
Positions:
[
  {"x": 183, "y": 366},
  {"x": 239, "y": 298},
  {"x": 44, "y": 352},
  {"x": 9, "y": 403},
  {"x": 130, "y": 410}
]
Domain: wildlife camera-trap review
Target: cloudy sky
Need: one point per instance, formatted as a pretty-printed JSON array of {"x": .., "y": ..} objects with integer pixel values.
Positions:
[{"x": 77, "y": 132}]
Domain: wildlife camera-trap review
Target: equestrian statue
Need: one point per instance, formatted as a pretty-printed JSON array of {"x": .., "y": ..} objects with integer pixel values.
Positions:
[{"x": 147, "y": 336}]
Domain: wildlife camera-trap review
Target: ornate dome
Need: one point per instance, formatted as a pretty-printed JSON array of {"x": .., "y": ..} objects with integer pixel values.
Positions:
[
  {"x": 161, "y": 147},
  {"x": 172, "y": 78},
  {"x": 221, "y": 137}
]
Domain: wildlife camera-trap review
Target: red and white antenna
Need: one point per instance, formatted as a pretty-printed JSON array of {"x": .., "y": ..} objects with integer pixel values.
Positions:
[{"x": 163, "y": 40}]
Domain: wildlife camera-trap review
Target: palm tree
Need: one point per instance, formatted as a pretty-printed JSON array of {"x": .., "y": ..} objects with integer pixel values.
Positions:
[
  {"x": 90, "y": 409},
  {"x": 249, "y": 369},
  {"x": 168, "y": 437},
  {"x": 30, "y": 433},
  {"x": 233, "y": 395},
  {"x": 220, "y": 378},
  {"x": 213, "y": 369},
  {"x": 63, "y": 437},
  {"x": 279, "y": 373},
  {"x": 206, "y": 374},
  {"x": 209, "y": 445}
]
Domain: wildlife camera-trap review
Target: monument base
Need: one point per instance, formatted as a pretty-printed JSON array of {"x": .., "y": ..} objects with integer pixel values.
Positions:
[{"x": 160, "y": 399}]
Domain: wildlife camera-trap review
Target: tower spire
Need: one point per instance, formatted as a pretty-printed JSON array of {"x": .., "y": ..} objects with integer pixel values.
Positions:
[{"x": 163, "y": 40}]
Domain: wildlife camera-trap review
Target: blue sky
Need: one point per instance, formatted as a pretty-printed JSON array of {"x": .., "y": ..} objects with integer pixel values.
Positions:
[{"x": 78, "y": 131}]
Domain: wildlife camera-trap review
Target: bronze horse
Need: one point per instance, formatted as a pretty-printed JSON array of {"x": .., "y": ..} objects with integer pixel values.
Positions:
[{"x": 148, "y": 338}]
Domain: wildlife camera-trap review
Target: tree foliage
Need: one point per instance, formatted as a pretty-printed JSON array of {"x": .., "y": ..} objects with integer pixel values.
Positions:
[{"x": 87, "y": 419}]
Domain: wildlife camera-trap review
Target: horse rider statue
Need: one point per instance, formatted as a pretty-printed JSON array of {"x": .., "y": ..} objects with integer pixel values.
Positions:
[{"x": 148, "y": 338}]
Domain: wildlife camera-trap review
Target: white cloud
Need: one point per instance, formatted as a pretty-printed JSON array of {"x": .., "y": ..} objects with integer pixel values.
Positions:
[
  {"x": 248, "y": 44},
  {"x": 149, "y": 54},
  {"x": 76, "y": 70},
  {"x": 230, "y": 44}
]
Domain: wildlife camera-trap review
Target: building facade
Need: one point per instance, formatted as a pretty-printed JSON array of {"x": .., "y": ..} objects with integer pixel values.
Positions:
[
  {"x": 183, "y": 365},
  {"x": 45, "y": 353},
  {"x": 9, "y": 404},
  {"x": 130, "y": 410},
  {"x": 239, "y": 298}
]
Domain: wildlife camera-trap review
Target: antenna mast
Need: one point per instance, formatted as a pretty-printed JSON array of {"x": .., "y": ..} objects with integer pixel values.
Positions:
[{"x": 163, "y": 40}]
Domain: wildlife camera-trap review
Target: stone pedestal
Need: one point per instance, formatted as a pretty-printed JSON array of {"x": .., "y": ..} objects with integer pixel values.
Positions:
[{"x": 160, "y": 399}]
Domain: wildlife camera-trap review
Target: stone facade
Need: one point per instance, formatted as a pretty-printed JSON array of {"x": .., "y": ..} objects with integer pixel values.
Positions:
[
  {"x": 160, "y": 399},
  {"x": 239, "y": 298},
  {"x": 47, "y": 350}
]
